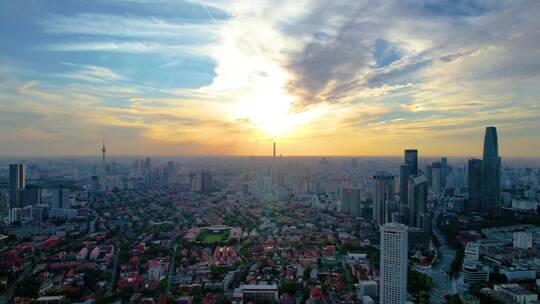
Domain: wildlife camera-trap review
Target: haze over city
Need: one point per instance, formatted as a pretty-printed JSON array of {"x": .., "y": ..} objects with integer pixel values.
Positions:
[
  {"x": 270, "y": 152},
  {"x": 230, "y": 77}
]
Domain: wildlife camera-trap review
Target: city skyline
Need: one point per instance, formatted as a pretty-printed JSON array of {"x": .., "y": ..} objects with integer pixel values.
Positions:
[{"x": 232, "y": 77}]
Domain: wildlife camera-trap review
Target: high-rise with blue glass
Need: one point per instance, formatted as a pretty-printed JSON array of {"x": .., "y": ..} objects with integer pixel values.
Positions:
[{"x": 491, "y": 173}]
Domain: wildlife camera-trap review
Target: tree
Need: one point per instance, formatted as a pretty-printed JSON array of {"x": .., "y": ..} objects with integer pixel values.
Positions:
[
  {"x": 419, "y": 285},
  {"x": 288, "y": 286}
]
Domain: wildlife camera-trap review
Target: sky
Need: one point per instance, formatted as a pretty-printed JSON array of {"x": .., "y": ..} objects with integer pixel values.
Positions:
[{"x": 173, "y": 77}]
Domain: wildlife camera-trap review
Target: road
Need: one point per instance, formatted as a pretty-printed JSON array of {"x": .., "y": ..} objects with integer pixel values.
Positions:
[
  {"x": 114, "y": 277},
  {"x": 172, "y": 268},
  {"x": 442, "y": 284}
]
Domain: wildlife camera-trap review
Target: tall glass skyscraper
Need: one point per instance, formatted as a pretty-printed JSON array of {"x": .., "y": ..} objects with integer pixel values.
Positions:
[
  {"x": 382, "y": 196},
  {"x": 404, "y": 173},
  {"x": 491, "y": 173},
  {"x": 418, "y": 195},
  {"x": 17, "y": 182},
  {"x": 475, "y": 184},
  {"x": 411, "y": 159}
]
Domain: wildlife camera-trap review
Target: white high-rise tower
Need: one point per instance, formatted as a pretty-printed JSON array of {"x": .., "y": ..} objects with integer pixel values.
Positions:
[{"x": 394, "y": 245}]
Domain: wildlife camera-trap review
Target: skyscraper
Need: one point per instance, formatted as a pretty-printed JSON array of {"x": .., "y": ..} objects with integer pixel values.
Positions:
[
  {"x": 17, "y": 182},
  {"x": 418, "y": 194},
  {"x": 404, "y": 173},
  {"x": 351, "y": 201},
  {"x": 429, "y": 174},
  {"x": 474, "y": 184},
  {"x": 394, "y": 260},
  {"x": 382, "y": 196},
  {"x": 201, "y": 182},
  {"x": 274, "y": 154},
  {"x": 411, "y": 158},
  {"x": 60, "y": 198},
  {"x": 30, "y": 196},
  {"x": 169, "y": 173},
  {"x": 445, "y": 170},
  {"x": 436, "y": 177},
  {"x": 491, "y": 173}
]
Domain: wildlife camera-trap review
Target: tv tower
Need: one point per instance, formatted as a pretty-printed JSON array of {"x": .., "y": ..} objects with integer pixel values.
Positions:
[
  {"x": 274, "y": 149},
  {"x": 103, "y": 150}
]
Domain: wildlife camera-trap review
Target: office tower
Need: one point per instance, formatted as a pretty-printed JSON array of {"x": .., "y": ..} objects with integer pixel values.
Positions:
[
  {"x": 491, "y": 173},
  {"x": 382, "y": 196},
  {"x": 60, "y": 199},
  {"x": 394, "y": 262},
  {"x": 436, "y": 177},
  {"x": 445, "y": 170},
  {"x": 351, "y": 201},
  {"x": 418, "y": 194},
  {"x": 38, "y": 213},
  {"x": 404, "y": 173},
  {"x": 474, "y": 184},
  {"x": 103, "y": 150},
  {"x": 17, "y": 182},
  {"x": 31, "y": 196},
  {"x": 411, "y": 158},
  {"x": 429, "y": 175}
]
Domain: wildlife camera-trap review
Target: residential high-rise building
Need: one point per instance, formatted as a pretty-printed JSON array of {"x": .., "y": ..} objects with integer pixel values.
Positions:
[
  {"x": 411, "y": 158},
  {"x": 404, "y": 173},
  {"x": 351, "y": 201},
  {"x": 17, "y": 182},
  {"x": 201, "y": 182},
  {"x": 383, "y": 195},
  {"x": 418, "y": 194},
  {"x": 147, "y": 171},
  {"x": 474, "y": 184},
  {"x": 394, "y": 263},
  {"x": 491, "y": 173},
  {"x": 169, "y": 174},
  {"x": 61, "y": 199}
]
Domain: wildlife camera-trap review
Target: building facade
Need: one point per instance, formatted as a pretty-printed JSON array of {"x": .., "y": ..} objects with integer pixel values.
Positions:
[
  {"x": 491, "y": 173},
  {"x": 394, "y": 262},
  {"x": 383, "y": 194},
  {"x": 474, "y": 184},
  {"x": 17, "y": 182}
]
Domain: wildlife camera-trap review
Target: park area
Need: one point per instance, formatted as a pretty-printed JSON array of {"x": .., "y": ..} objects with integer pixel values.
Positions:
[{"x": 209, "y": 236}]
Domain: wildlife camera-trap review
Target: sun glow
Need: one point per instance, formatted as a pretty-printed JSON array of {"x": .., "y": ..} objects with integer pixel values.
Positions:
[{"x": 270, "y": 112}]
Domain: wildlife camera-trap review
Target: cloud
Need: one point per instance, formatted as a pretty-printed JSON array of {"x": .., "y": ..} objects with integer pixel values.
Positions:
[
  {"x": 127, "y": 26},
  {"x": 92, "y": 73},
  {"x": 119, "y": 47},
  {"x": 347, "y": 75}
]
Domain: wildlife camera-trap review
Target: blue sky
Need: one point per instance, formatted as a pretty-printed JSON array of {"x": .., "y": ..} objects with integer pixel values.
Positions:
[{"x": 229, "y": 77}]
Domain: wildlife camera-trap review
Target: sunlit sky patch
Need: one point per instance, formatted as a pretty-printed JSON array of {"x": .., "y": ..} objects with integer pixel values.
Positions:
[{"x": 172, "y": 77}]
